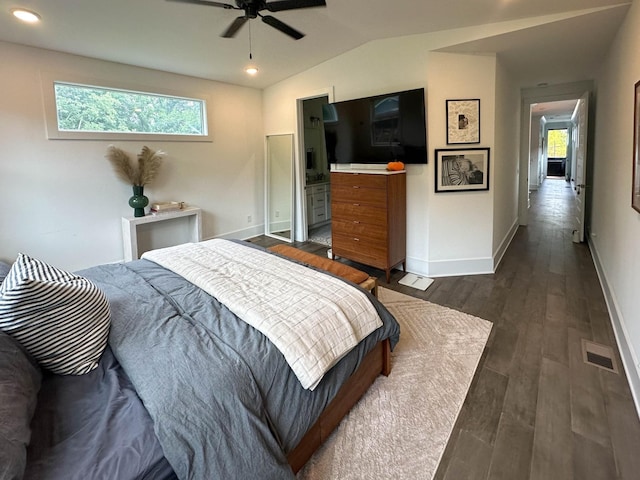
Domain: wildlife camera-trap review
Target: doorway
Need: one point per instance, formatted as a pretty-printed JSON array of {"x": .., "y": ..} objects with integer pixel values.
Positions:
[
  {"x": 317, "y": 189},
  {"x": 555, "y": 107}
]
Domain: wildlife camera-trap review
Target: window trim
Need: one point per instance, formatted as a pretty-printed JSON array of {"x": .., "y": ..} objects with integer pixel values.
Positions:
[{"x": 49, "y": 79}]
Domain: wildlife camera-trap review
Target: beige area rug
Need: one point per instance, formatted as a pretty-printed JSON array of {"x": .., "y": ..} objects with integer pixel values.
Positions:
[{"x": 401, "y": 426}]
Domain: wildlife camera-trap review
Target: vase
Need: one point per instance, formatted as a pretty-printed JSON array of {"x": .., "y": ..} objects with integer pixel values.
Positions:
[{"x": 138, "y": 201}]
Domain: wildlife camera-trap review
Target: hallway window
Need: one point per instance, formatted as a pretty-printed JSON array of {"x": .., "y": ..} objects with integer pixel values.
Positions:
[{"x": 557, "y": 143}]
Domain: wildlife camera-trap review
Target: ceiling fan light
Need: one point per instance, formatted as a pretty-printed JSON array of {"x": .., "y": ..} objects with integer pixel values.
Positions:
[
  {"x": 25, "y": 15},
  {"x": 251, "y": 70}
]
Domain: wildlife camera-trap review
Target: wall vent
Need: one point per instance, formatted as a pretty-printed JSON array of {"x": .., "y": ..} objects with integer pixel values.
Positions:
[{"x": 599, "y": 355}]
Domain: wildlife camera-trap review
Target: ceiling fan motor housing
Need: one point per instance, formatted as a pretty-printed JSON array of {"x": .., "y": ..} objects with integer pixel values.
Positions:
[{"x": 251, "y": 8}]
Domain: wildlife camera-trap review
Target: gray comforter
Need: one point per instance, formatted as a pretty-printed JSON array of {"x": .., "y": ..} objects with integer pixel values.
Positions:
[{"x": 224, "y": 403}]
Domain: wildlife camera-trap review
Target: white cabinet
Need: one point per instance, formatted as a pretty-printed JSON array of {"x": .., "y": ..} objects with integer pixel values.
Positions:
[{"x": 318, "y": 204}]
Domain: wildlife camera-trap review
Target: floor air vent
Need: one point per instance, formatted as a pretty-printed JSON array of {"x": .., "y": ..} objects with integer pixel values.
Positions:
[{"x": 598, "y": 355}]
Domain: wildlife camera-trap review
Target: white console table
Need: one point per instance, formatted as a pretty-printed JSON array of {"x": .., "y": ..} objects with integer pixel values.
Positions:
[{"x": 130, "y": 226}]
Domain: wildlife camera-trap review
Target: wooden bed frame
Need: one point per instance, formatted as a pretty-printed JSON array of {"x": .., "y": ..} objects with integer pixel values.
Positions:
[{"x": 376, "y": 362}]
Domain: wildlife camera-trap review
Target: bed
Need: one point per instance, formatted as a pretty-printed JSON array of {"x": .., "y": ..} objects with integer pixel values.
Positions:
[{"x": 184, "y": 388}]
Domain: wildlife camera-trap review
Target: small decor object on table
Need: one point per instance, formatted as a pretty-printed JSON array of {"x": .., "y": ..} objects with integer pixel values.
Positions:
[
  {"x": 166, "y": 207},
  {"x": 149, "y": 162}
]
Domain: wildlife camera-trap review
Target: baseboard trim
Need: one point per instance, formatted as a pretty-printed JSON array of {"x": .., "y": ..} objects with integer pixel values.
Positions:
[
  {"x": 466, "y": 266},
  {"x": 242, "y": 234},
  {"x": 628, "y": 355},
  {"x": 504, "y": 245},
  {"x": 450, "y": 268}
]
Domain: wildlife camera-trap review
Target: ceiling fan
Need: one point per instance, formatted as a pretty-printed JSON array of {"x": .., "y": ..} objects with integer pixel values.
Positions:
[{"x": 252, "y": 9}]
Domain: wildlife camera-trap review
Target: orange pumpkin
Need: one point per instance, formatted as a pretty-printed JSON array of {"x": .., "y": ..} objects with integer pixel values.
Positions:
[{"x": 395, "y": 166}]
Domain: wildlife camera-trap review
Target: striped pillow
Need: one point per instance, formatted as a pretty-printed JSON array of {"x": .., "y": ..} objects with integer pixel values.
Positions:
[{"x": 62, "y": 319}]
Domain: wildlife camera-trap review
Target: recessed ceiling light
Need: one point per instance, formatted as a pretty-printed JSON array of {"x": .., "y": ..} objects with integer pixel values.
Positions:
[
  {"x": 251, "y": 70},
  {"x": 25, "y": 15}
]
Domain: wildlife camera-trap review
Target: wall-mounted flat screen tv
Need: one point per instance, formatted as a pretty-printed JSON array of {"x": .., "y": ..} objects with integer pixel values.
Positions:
[{"x": 377, "y": 129}]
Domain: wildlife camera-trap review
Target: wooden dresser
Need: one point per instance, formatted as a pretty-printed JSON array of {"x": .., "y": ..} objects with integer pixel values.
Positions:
[{"x": 369, "y": 218}]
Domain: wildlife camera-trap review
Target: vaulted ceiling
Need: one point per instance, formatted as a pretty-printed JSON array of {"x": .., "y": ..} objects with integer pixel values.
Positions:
[{"x": 538, "y": 40}]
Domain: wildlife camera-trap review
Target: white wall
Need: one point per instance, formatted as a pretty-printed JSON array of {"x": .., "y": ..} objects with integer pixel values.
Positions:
[
  {"x": 615, "y": 226},
  {"x": 61, "y": 200},
  {"x": 447, "y": 234},
  {"x": 505, "y": 163},
  {"x": 460, "y": 223}
]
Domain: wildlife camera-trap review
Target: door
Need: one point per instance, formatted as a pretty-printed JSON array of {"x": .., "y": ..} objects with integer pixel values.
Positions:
[{"x": 580, "y": 119}]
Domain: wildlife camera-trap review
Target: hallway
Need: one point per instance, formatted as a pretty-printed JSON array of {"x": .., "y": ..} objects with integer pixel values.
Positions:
[{"x": 535, "y": 409}]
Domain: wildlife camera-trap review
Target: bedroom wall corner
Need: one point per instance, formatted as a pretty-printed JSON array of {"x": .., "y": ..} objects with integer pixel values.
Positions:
[{"x": 63, "y": 203}]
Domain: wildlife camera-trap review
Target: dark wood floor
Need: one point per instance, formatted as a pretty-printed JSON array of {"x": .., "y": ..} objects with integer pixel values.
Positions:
[{"x": 535, "y": 410}]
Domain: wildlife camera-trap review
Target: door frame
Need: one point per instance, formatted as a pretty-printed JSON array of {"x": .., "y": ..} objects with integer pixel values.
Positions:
[
  {"x": 582, "y": 152},
  {"x": 302, "y": 222}
]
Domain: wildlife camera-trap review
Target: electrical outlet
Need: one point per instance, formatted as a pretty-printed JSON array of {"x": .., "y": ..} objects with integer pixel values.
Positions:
[
  {"x": 249, "y": 218},
  {"x": 277, "y": 213}
]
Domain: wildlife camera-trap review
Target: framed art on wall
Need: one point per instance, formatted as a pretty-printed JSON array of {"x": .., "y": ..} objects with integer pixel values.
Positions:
[
  {"x": 462, "y": 169},
  {"x": 635, "y": 192},
  {"x": 463, "y": 121}
]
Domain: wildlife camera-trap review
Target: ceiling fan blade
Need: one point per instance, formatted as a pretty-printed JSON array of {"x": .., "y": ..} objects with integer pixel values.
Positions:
[
  {"x": 210, "y": 4},
  {"x": 294, "y": 4},
  {"x": 234, "y": 27},
  {"x": 283, "y": 27}
]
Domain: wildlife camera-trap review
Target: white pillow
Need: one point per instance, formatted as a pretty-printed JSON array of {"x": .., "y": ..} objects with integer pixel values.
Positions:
[{"x": 62, "y": 319}]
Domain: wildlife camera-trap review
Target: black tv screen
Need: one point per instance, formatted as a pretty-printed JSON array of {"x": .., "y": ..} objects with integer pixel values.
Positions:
[{"x": 377, "y": 129}]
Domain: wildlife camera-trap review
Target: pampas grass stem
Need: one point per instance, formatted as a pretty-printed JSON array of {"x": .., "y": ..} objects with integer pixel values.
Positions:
[{"x": 148, "y": 166}]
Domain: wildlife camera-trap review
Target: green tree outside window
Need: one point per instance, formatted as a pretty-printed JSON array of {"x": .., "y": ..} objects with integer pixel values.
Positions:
[{"x": 83, "y": 108}]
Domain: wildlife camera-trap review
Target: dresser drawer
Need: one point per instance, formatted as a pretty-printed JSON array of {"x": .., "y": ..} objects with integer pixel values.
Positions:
[
  {"x": 360, "y": 250},
  {"x": 358, "y": 180},
  {"x": 359, "y": 230},
  {"x": 359, "y": 213},
  {"x": 359, "y": 195}
]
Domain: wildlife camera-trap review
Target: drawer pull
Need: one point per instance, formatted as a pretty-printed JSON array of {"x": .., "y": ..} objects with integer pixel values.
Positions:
[
  {"x": 356, "y": 221},
  {"x": 356, "y": 186},
  {"x": 356, "y": 204},
  {"x": 356, "y": 239}
]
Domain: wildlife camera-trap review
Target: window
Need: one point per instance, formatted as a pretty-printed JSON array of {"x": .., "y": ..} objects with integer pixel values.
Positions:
[
  {"x": 84, "y": 111},
  {"x": 557, "y": 143}
]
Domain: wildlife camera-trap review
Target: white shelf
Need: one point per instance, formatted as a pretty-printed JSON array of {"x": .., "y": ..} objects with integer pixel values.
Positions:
[{"x": 130, "y": 228}]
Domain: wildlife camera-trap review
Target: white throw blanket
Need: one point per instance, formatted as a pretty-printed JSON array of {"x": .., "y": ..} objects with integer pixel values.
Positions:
[{"x": 314, "y": 319}]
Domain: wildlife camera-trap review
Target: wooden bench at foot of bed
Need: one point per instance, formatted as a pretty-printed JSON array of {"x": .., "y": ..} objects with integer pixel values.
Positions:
[
  {"x": 376, "y": 362},
  {"x": 339, "y": 269}
]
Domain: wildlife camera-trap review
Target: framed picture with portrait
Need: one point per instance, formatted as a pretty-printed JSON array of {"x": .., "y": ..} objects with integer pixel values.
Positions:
[
  {"x": 462, "y": 169},
  {"x": 635, "y": 192},
  {"x": 463, "y": 121}
]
